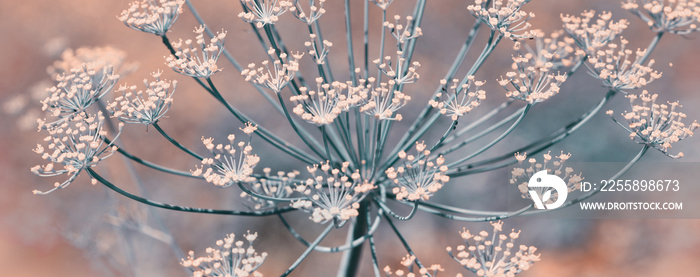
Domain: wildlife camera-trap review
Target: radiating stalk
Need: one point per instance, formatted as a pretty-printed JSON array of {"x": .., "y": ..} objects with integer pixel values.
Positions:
[{"x": 308, "y": 250}]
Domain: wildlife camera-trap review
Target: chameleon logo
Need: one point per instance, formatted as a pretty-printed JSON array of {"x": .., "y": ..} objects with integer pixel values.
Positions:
[{"x": 544, "y": 181}]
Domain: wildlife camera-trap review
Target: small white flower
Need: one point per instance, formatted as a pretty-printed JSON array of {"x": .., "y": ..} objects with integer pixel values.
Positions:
[
  {"x": 230, "y": 257},
  {"x": 144, "y": 107},
  {"x": 152, "y": 16},
  {"x": 199, "y": 63},
  {"x": 263, "y": 12},
  {"x": 73, "y": 146}
]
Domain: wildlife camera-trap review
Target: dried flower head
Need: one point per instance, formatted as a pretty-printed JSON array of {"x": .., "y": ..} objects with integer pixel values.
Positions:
[
  {"x": 614, "y": 67},
  {"x": 656, "y": 125},
  {"x": 98, "y": 58},
  {"x": 382, "y": 4},
  {"x": 455, "y": 106},
  {"x": 403, "y": 33},
  {"x": 333, "y": 194},
  {"x": 520, "y": 176},
  {"x": 190, "y": 61},
  {"x": 230, "y": 257},
  {"x": 592, "y": 35},
  {"x": 494, "y": 255},
  {"x": 279, "y": 186},
  {"x": 73, "y": 146},
  {"x": 420, "y": 176},
  {"x": 144, "y": 107},
  {"x": 322, "y": 106},
  {"x": 673, "y": 16},
  {"x": 152, "y": 16},
  {"x": 557, "y": 49},
  {"x": 403, "y": 73},
  {"x": 75, "y": 92},
  {"x": 276, "y": 77},
  {"x": 504, "y": 16},
  {"x": 383, "y": 101},
  {"x": 318, "y": 51},
  {"x": 232, "y": 163},
  {"x": 263, "y": 12},
  {"x": 408, "y": 262},
  {"x": 315, "y": 11},
  {"x": 531, "y": 83}
]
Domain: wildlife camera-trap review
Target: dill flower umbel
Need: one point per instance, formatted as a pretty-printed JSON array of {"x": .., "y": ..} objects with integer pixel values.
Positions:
[
  {"x": 673, "y": 16},
  {"x": 322, "y": 106},
  {"x": 420, "y": 176},
  {"x": 315, "y": 11},
  {"x": 318, "y": 51},
  {"x": 75, "y": 92},
  {"x": 614, "y": 67},
  {"x": 504, "y": 16},
  {"x": 144, "y": 107},
  {"x": 263, "y": 12},
  {"x": 556, "y": 49},
  {"x": 73, "y": 146},
  {"x": 520, "y": 176},
  {"x": 279, "y": 186},
  {"x": 403, "y": 73},
  {"x": 187, "y": 60},
  {"x": 531, "y": 83},
  {"x": 230, "y": 257},
  {"x": 408, "y": 261},
  {"x": 590, "y": 34},
  {"x": 332, "y": 195},
  {"x": 455, "y": 106},
  {"x": 276, "y": 77},
  {"x": 152, "y": 16},
  {"x": 403, "y": 33},
  {"x": 232, "y": 163},
  {"x": 493, "y": 255},
  {"x": 383, "y": 101},
  {"x": 656, "y": 125}
]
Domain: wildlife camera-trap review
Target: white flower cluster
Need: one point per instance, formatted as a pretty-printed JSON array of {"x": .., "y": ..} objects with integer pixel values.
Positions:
[
  {"x": 333, "y": 195},
  {"x": 190, "y": 61},
  {"x": 144, "y": 107},
  {"x": 420, "y": 176}
]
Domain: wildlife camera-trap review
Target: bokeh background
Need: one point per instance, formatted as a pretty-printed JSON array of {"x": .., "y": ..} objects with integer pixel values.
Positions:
[{"x": 85, "y": 230}]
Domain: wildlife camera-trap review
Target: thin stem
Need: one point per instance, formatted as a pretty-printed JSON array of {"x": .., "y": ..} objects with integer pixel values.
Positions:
[
  {"x": 372, "y": 248},
  {"x": 496, "y": 140},
  {"x": 261, "y": 131},
  {"x": 403, "y": 240},
  {"x": 308, "y": 250},
  {"x": 151, "y": 164},
  {"x": 348, "y": 36},
  {"x": 538, "y": 145},
  {"x": 652, "y": 45},
  {"x": 410, "y": 215},
  {"x": 174, "y": 142},
  {"x": 137, "y": 198},
  {"x": 483, "y": 133}
]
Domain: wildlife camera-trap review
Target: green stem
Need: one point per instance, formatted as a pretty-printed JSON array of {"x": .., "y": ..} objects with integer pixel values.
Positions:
[
  {"x": 174, "y": 142},
  {"x": 140, "y": 199},
  {"x": 308, "y": 250}
]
